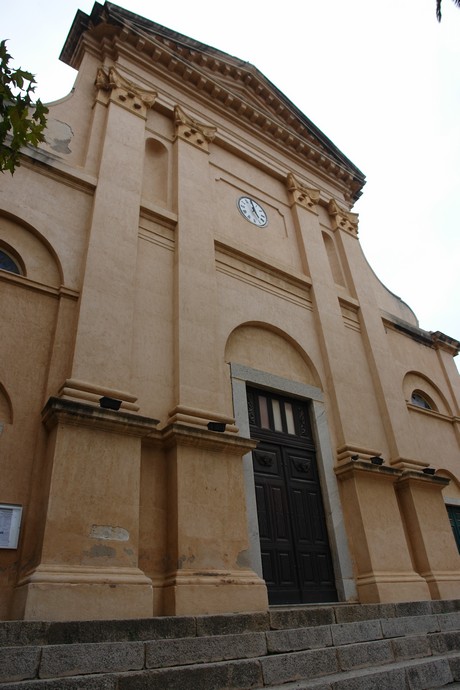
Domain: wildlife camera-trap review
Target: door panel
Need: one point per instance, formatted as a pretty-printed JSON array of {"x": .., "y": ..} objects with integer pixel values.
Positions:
[{"x": 296, "y": 560}]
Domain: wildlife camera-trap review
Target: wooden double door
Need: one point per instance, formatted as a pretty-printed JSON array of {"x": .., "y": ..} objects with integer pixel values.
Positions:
[{"x": 296, "y": 559}]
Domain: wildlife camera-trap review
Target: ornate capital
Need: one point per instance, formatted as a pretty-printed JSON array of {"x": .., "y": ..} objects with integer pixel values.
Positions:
[
  {"x": 343, "y": 220},
  {"x": 125, "y": 92},
  {"x": 193, "y": 131},
  {"x": 306, "y": 197}
]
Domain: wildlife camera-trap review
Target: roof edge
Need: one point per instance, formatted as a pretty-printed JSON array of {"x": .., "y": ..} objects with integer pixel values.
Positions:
[{"x": 117, "y": 16}]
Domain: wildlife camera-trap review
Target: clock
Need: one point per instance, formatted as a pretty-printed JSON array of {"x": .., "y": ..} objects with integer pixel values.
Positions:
[{"x": 252, "y": 211}]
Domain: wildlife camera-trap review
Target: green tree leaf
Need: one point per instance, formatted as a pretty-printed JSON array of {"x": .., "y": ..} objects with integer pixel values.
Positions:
[{"x": 22, "y": 122}]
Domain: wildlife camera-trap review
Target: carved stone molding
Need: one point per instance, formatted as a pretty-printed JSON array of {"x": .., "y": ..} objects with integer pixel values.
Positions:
[
  {"x": 343, "y": 220},
  {"x": 441, "y": 341},
  {"x": 353, "y": 468},
  {"x": 209, "y": 74},
  {"x": 197, "y": 133},
  {"x": 125, "y": 92},
  {"x": 306, "y": 197},
  {"x": 182, "y": 414},
  {"x": 83, "y": 391},
  {"x": 350, "y": 452},
  {"x": 72, "y": 413}
]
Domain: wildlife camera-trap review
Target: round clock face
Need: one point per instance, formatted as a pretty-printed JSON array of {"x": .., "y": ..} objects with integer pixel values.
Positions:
[{"x": 252, "y": 211}]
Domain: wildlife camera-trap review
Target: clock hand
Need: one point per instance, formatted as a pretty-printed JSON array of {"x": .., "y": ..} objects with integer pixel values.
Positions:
[{"x": 254, "y": 209}]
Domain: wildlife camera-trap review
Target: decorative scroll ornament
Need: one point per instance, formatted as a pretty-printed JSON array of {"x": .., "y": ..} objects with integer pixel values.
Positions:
[
  {"x": 303, "y": 467},
  {"x": 125, "y": 92},
  {"x": 306, "y": 197},
  {"x": 193, "y": 131},
  {"x": 265, "y": 459},
  {"x": 343, "y": 220}
]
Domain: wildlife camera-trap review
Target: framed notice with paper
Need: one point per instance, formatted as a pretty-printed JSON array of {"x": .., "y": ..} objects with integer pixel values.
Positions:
[{"x": 10, "y": 524}]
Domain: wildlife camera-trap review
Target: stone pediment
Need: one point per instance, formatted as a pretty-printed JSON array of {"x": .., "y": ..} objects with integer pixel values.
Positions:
[{"x": 236, "y": 85}]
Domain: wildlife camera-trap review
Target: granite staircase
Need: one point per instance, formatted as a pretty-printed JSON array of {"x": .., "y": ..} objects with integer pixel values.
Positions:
[{"x": 404, "y": 646}]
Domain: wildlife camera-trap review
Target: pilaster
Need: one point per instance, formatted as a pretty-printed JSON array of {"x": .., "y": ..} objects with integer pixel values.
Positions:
[
  {"x": 387, "y": 384},
  {"x": 429, "y": 532},
  {"x": 384, "y": 569},
  {"x": 197, "y": 393},
  {"x": 102, "y": 356},
  {"x": 328, "y": 316},
  {"x": 208, "y": 559},
  {"x": 446, "y": 349},
  {"x": 88, "y": 555}
]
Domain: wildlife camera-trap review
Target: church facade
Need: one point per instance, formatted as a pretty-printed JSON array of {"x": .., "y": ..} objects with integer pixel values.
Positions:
[{"x": 208, "y": 401}]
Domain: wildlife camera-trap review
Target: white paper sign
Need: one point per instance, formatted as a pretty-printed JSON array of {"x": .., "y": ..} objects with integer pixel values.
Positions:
[{"x": 10, "y": 523}]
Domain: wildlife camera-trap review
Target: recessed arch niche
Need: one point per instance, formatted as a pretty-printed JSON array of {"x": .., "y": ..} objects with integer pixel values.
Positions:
[
  {"x": 155, "y": 177},
  {"x": 334, "y": 262},
  {"x": 266, "y": 348}
]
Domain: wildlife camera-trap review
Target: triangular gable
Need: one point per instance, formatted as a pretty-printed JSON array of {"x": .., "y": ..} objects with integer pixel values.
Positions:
[{"x": 236, "y": 84}]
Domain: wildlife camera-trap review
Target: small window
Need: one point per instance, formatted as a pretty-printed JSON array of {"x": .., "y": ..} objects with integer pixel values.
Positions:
[
  {"x": 421, "y": 401},
  {"x": 7, "y": 263},
  {"x": 276, "y": 413}
]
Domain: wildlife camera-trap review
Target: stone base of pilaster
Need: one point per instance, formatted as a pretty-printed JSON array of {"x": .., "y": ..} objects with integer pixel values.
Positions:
[
  {"x": 443, "y": 585},
  {"x": 189, "y": 593},
  {"x": 56, "y": 593},
  {"x": 391, "y": 587}
]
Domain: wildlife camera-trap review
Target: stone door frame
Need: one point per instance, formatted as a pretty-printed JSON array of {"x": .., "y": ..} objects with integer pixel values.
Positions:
[{"x": 241, "y": 375}]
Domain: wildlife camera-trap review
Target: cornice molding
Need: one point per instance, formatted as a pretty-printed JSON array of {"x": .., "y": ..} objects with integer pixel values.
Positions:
[
  {"x": 441, "y": 341},
  {"x": 71, "y": 412},
  {"x": 271, "y": 117},
  {"x": 231, "y": 83},
  {"x": 434, "y": 339}
]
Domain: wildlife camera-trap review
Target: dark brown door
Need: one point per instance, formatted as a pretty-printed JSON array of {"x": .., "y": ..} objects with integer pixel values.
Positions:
[{"x": 296, "y": 559}]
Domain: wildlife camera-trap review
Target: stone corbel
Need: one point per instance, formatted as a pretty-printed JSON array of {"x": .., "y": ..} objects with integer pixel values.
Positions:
[
  {"x": 125, "y": 92},
  {"x": 191, "y": 130},
  {"x": 343, "y": 220},
  {"x": 306, "y": 197}
]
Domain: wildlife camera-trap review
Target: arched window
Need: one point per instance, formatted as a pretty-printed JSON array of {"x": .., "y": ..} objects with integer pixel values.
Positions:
[
  {"x": 422, "y": 393},
  {"x": 421, "y": 400},
  {"x": 7, "y": 263}
]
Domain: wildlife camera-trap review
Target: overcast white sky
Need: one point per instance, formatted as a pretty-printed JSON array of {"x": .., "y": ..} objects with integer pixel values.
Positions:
[{"x": 380, "y": 79}]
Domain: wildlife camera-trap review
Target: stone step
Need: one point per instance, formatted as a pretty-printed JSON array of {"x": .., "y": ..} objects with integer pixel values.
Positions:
[
  {"x": 416, "y": 674},
  {"x": 398, "y": 638},
  {"x": 22, "y": 633},
  {"x": 382, "y": 640},
  {"x": 420, "y": 674},
  {"x": 329, "y": 647},
  {"x": 185, "y": 657}
]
